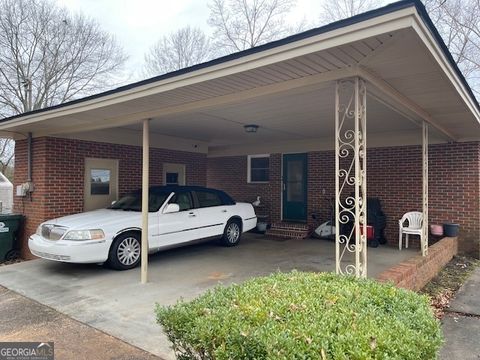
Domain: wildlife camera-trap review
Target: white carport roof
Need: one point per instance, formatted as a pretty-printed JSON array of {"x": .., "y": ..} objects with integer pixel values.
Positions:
[{"x": 287, "y": 88}]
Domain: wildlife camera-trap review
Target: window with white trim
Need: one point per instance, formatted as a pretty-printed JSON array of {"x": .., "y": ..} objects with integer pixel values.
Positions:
[{"x": 258, "y": 168}]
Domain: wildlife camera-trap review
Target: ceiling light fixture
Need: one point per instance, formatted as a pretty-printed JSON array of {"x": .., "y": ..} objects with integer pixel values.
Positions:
[{"x": 251, "y": 128}]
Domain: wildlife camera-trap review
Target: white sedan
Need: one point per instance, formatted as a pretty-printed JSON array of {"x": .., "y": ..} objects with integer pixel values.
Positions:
[{"x": 177, "y": 215}]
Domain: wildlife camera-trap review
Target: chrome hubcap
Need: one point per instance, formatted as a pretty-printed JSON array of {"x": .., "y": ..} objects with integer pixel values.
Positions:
[
  {"x": 233, "y": 233},
  {"x": 128, "y": 251}
]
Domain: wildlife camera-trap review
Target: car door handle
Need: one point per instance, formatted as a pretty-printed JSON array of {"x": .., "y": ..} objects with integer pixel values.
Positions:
[
  {"x": 224, "y": 210},
  {"x": 191, "y": 214}
]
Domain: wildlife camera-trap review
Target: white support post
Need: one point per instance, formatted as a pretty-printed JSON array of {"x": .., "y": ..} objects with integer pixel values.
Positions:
[
  {"x": 362, "y": 113},
  {"x": 145, "y": 188},
  {"x": 338, "y": 249},
  {"x": 351, "y": 177},
  {"x": 425, "y": 140}
]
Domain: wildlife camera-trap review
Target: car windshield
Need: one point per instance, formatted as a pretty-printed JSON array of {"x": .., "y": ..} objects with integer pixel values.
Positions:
[{"x": 133, "y": 201}]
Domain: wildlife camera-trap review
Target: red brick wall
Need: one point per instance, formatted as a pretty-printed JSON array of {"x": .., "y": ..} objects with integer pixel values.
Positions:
[
  {"x": 34, "y": 207},
  {"x": 230, "y": 174},
  {"x": 321, "y": 184},
  {"x": 454, "y": 194},
  {"x": 58, "y": 174},
  {"x": 416, "y": 272},
  {"x": 393, "y": 174}
]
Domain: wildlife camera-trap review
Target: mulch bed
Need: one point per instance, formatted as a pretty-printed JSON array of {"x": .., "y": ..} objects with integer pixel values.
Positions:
[{"x": 444, "y": 286}]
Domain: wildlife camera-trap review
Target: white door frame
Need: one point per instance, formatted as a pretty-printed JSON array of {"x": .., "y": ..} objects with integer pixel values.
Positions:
[{"x": 86, "y": 183}]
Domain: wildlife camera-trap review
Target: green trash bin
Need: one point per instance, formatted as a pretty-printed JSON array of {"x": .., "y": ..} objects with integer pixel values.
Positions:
[{"x": 9, "y": 226}]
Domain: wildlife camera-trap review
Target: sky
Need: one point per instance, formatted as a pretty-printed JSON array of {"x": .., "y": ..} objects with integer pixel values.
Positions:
[{"x": 138, "y": 24}]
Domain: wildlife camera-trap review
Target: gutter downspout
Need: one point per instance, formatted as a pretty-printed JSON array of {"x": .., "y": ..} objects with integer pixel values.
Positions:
[{"x": 29, "y": 158}]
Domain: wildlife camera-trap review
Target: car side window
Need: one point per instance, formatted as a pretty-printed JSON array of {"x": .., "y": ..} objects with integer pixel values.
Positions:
[
  {"x": 208, "y": 199},
  {"x": 183, "y": 199}
]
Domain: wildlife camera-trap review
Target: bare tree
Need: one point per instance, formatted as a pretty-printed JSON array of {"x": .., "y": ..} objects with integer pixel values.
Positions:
[
  {"x": 456, "y": 20},
  {"x": 333, "y": 10},
  {"x": 6, "y": 156},
  {"x": 243, "y": 24},
  {"x": 56, "y": 54},
  {"x": 49, "y": 56},
  {"x": 180, "y": 49},
  {"x": 458, "y": 23}
]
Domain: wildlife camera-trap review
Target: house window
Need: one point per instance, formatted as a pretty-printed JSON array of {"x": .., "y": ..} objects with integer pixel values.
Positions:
[
  {"x": 99, "y": 181},
  {"x": 258, "y": 168}
]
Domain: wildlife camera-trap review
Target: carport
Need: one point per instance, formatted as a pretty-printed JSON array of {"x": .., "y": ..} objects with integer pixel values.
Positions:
[{"x": 310, "y": 92}]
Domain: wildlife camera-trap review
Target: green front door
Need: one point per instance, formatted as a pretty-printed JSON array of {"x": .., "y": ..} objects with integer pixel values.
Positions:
[{"x": 295, "y": 187}]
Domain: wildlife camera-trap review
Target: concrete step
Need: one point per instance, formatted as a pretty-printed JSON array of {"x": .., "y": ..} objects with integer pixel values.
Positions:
[
  {"x": 290, "y": 226},
  {"x": 286, "y": 234}
]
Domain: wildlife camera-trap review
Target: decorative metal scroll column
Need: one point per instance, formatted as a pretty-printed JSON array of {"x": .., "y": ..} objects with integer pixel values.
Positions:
[
  {"x": 351, "y": 177},
  {"x": 424, "y": 243}
]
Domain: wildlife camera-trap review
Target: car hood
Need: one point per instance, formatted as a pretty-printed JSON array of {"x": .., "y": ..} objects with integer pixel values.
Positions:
[{"x": 99, "y": 219}]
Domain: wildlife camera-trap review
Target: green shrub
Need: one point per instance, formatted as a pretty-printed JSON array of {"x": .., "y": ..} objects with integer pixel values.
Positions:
[{"x": 303, "y": 316}]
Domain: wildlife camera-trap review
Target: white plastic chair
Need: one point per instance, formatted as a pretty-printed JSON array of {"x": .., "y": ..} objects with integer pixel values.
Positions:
[{"x": 414, "y": 227}]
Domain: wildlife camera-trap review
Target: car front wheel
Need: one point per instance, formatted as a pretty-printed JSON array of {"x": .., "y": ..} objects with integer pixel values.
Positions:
[
  {"x": 125, "y": 252},
  {"x": 232, "y": 233}
]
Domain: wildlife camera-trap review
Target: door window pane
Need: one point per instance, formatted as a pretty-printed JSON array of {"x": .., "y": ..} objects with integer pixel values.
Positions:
[
  {"x": 171, "y": 178},
  {"x": 207, "y": 199},
  {"x": 295, "y": 192},
  {"x": 100, "y": 182},
  {"x": 295, "y": 181}
]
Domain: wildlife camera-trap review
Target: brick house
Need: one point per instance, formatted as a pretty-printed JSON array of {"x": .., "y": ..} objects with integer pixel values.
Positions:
[{"x": 271, "y": 122}]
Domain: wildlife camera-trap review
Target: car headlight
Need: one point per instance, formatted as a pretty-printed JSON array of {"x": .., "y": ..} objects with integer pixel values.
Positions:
[{"x": 78, "y": 235}]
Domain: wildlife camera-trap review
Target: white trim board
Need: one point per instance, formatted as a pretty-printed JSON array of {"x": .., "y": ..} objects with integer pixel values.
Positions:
[
  {"x": 404, "y": 138},
  {"x": 124, "y": 136}
]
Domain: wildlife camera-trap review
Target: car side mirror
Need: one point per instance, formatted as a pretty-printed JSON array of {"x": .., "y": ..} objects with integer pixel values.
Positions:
[{"x": 171, "y": 208}]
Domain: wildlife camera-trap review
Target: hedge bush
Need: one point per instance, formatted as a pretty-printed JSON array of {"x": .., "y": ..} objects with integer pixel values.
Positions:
[{"x": 303, "y": 316}]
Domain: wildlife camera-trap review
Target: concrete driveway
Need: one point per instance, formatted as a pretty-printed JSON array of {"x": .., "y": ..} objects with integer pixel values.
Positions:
[
  {"x": 26, "y": 319},
  {"x": 116, "y": 303}
]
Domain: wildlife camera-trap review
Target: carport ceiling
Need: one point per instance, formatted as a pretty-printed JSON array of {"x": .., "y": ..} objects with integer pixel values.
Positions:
[{"x": 306, "y": 113}]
